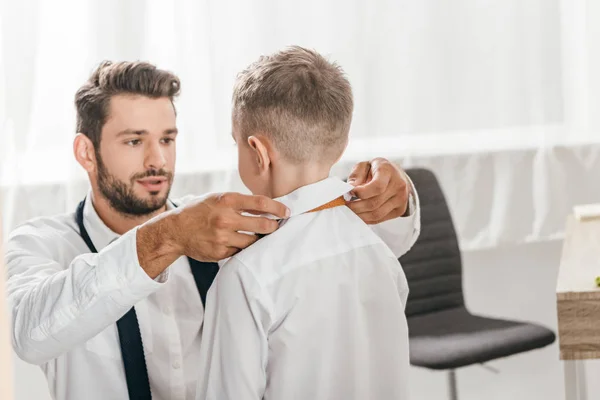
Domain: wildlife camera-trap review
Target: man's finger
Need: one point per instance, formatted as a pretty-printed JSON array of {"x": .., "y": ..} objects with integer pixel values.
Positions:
[
  {"x": 241, "y": 240},
  {"x": 230, "y": 252},
  {"x": 375, "y": 187},
  {"x": 371, "y": 204},
  {"x": 261, "y": 225},
  {"x": 395, "y": 213},
  {"x": 390, "y": 209},
  {"x": 360, "y": 173},
  {"x": 263, "y": 205}
]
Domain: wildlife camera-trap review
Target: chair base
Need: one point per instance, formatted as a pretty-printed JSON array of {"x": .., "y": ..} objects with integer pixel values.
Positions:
[{"x": 452, "y": 389}]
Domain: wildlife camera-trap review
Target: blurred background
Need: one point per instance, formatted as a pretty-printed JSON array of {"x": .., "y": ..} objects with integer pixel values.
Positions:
[{"x": 500, "y": 98}]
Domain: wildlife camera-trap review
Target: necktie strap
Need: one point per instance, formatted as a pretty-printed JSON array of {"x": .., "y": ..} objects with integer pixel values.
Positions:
[
  {"x": 130, "y": 337},
  {"x": 333, "y": 203}
]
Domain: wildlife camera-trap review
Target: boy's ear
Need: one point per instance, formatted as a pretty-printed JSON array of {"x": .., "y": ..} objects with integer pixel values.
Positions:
[
  {"x": 83, "y": 149},
  {"x": 261, "y": 146}
]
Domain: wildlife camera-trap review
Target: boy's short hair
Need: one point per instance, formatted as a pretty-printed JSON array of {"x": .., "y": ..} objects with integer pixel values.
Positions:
[{"x": 299, "y": 100}]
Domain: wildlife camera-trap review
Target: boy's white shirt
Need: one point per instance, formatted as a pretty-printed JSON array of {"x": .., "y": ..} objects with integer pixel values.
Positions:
[
  {"x": 64, "y": 302},
  {"x": 314, "y": 310}
]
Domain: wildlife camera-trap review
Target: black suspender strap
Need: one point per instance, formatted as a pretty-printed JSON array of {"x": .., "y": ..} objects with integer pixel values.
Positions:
[{"x": 130, "y": 338}]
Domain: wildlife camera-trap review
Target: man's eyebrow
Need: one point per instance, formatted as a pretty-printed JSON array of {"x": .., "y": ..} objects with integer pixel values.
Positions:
[
  {"x": 140, "y": 132},
  {"x": 132, "y": 132}
]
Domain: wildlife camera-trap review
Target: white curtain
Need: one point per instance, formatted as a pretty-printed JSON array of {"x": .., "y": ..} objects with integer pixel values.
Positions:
[
  {"x": 497, "y": 97},
  {"x": 6, "y": 368}
]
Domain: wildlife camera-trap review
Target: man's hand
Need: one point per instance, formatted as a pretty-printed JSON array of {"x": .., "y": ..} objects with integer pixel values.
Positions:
[
  {"x": 382, "y": 189},
  {"x": 209, "y": 229},
  {"x": 206, "y": 230}
]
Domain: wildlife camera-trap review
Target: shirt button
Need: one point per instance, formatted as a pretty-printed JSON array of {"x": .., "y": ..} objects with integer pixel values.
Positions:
[
  {"x": 168, "y": 310},
  {"x": 176, "y": 365}
]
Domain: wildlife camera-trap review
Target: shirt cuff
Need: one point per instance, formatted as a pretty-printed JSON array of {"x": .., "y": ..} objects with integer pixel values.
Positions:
[
  {"x": 163, "y": 276},
  {"x": 118, "y": 268},
  {"x": 410, "y": 209},
  {"x": 413, "y": 199}
]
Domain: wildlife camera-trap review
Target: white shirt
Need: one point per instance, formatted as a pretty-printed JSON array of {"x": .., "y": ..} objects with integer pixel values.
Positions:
[
  {"x": 65, "y": 302},
  {"x": 313, "y": 311}
]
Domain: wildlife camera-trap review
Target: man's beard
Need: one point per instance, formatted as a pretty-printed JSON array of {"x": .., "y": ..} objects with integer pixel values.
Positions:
[{"x": 121, "y": 196}]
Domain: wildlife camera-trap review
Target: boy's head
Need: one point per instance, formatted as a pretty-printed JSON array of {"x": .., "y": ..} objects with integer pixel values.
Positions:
[{"x": 291, "y": 110}]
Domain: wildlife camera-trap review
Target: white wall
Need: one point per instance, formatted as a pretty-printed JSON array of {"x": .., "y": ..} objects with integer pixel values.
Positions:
[{"x": 513, "y": 282}]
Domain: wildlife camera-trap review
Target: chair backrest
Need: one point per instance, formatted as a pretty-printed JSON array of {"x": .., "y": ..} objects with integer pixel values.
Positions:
[{"x": 433, "y": 267}]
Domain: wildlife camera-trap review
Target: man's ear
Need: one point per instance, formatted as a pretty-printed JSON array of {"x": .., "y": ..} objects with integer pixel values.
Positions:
[
  {"x": 83, "y": 149},
  {"x": 260, "y": 145}
]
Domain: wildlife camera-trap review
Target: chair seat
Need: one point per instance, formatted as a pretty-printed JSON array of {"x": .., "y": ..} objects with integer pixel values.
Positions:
[{"x": 455, "y": 338}]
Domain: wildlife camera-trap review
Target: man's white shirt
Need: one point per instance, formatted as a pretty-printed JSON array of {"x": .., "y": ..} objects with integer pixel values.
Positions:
[
  {"x": 65, "y": 302},
  {"x": 313, "y": 311}
]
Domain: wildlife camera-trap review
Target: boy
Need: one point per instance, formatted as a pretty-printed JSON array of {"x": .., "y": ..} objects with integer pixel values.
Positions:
[{"x": 316, "y": 309}]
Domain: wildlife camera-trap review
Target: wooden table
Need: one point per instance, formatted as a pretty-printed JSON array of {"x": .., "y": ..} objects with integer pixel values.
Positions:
[{"x": 578, "y": 303}]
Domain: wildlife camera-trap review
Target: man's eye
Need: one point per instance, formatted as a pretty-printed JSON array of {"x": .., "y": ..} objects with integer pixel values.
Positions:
[
  {"x": 134, "y": 142},
  {"x": 168, "y": 140}
]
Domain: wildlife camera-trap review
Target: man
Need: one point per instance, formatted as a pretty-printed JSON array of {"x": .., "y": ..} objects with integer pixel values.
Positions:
[{"x": 72, "y": 277}]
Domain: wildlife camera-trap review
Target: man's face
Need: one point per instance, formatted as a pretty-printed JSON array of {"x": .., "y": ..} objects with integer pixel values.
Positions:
[{"x": 136, "y": 158}]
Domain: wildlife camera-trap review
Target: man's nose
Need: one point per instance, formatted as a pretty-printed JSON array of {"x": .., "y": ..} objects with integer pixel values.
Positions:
[{"x": 155, "y": 159}]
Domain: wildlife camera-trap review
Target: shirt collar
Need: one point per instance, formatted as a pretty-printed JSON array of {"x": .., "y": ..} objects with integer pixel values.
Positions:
[
  {"x": 100, "y": 234},
  {"x": 308, "y": 197},
  {"x": 314, "y": 195}
]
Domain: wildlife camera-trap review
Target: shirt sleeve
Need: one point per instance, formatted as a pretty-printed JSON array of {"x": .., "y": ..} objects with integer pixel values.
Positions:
[
  {"x": 401, "y": 233},
  {"x": 234, "y": 349},
  {"x": 56, "y": 307}
]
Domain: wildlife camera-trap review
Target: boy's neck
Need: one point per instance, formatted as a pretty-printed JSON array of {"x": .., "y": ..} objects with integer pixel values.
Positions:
[{"x": 286, "y": 179}]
